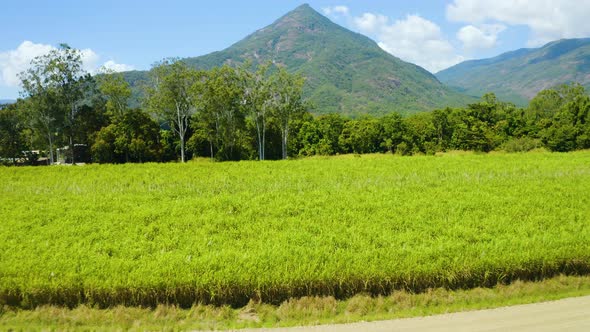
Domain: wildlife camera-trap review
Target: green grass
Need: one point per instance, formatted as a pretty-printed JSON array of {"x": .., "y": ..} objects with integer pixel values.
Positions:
[
  {"x": 228, "y": 233},
  {"x": 301, "y": 311}
]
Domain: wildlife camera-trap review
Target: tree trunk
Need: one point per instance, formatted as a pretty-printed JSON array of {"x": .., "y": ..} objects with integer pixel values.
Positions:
[
  {"x": 72, "y": 150},
  {"x": 72, "y": 118},
  {"x": 180, "y": 122},
  {"x": 263, "y": 138},
  {"x": 211, "y": 147},
  {"x": 285, "y": 138},
  {"x": 182, "y": 148},
  {"x": 51, "y": 161},
  {"x": 260, "y": 155}
]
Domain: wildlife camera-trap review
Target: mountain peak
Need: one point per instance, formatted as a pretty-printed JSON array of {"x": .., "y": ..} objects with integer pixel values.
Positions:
[
  {"x": 303, "y": 9},
  {"x": 345, "y": 71},
  {"x": 292, "y": 33},
  {"x": 304, "y": 6},
  {"x": 304, "y": 18}
]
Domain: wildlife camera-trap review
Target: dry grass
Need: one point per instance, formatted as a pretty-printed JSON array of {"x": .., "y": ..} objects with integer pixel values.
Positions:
[{"x": 301, "y": 311}]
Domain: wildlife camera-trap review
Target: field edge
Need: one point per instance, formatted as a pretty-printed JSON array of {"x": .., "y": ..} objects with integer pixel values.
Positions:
[{"x": 301, "y": 311}]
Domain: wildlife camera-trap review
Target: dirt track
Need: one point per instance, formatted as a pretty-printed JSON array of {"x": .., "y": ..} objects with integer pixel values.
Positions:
[{"x": 572, "y": 314}]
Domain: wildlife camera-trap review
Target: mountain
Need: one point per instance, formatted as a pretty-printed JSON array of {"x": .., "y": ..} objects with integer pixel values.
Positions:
[
  {"x": 7, "y": 101},
  {"x": 519, "y": 75},
  {"x": 345, "y": 72}
]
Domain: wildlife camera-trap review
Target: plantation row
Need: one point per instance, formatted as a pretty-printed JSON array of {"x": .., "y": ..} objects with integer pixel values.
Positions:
[{"x": 226, "y": 233}]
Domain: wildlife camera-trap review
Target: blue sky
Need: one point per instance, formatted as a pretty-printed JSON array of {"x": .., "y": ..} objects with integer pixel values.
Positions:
[{"x": 134, "y": 34}]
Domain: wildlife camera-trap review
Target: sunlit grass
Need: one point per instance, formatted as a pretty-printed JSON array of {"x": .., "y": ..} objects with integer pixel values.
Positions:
[{"x": 228, "y": 233}]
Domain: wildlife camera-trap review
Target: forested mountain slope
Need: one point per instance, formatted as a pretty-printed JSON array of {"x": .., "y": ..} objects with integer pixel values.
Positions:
[
  {"x": 345, "y": 72},
  {"x": 519, "y": 75}
]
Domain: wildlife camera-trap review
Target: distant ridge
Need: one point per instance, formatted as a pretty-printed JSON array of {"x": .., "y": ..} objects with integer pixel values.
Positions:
[
  {"x": 519, "y": 75},
  {"x": 345, "y": 72}
]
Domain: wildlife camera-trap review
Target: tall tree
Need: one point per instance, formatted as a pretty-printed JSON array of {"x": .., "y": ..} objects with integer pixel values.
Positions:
[
  {"x": 56, "y": 83},
  {"x": 223, "y": 98},
  {"x": 117, "y": 92},
  {"x": 170, "y": 96},
  {"x": 257, "y": 101},
  {"x": 42, "y": 112},
  {"x": 286, "y": 100}
]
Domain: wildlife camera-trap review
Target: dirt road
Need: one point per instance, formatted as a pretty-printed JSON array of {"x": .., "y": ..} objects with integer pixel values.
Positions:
[{"x": 572, "y": 314}]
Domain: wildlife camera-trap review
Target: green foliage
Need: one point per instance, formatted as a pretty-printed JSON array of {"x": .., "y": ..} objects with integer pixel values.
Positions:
[
  {"x": 12, "y": 136},
  {"x": 471, "y": 133},
  {"x": 420, "y": 134},
  {"x": 403, "y": 149},
  {"x": 557, "y": 119},
  {"x": 241, "y": 111},
  {"x": 203, "y": 232},
  {"x": 310, "y": 138},
  {"x": 57, "y": 85},
  {"x": 222, "y": 117},
  {"x": 171, "y": 96},
  {"x": 567, "y": 129},
  {"x": 135, "y": 138},
  {"x": 287, "y": 102},
  {"x": 249, "y": 112},
  {"x": 117, "y": 92},
  {"x": 393, "y": 130},
  {"x": 523, "y": 144},
  {"x": 361, "y": 136},
  {"x": 320, "y": 136},
  {"x": 560, "y": 138},
  {"x": 258, "y": 101}
]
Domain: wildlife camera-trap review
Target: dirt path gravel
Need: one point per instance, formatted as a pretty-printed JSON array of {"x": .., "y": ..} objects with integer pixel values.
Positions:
[{"x": 572, "y": 314}]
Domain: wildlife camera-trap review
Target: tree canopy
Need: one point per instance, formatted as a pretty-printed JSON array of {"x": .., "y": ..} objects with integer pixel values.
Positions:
[{"x": 248, "y": 112}]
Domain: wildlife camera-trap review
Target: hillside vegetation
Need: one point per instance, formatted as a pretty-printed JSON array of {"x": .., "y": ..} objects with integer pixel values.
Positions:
[
  {"x": 519, "y": 75},
  {"x": 226, "y": 233},
  {"x": 345, "y": 72}
]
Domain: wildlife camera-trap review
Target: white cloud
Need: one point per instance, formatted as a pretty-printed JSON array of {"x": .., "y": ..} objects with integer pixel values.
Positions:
[
  {"x": 413, "y": 39},
  {"x": 13, "y": 62},
  {"x": 370, "y": 23},
  {"x": 336, "y": 10},
  {"x": 117, "y": 67},
  {"x": 485, "y": 36},
  {"x": 547, "y": 19},
  {"x": 89, "y": 60}
]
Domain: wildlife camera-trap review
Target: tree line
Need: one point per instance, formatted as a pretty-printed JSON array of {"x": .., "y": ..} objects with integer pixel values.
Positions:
[
  {"x": 227, "y": 113},
  {"x": 237, "y": 113}
]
